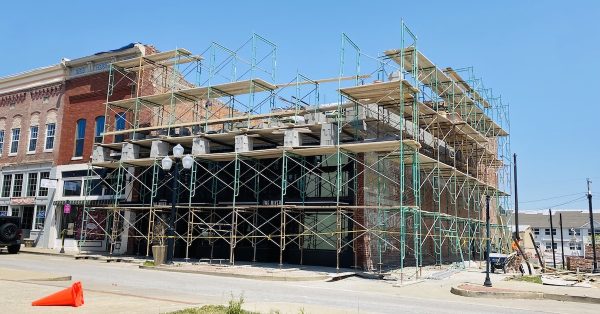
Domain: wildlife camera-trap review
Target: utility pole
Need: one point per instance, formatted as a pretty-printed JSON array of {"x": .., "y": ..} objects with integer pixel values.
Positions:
[
  {"x": 589, "y": 196},
  {"x": 487, "y": 282},
  {"x": 516, "y": 200},
  {"x": 562, "y": 243},
  {"x": 552, "y": 236}
]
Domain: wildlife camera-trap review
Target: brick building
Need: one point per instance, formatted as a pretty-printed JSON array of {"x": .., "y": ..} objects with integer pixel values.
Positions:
[
  {"x": 83, "y": 123},
  {"x": 31, "y": 106}
]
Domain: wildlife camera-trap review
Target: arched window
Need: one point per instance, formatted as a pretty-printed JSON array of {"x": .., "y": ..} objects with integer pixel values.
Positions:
[
  {"x": 79, "y": 138},
  {"x": 99, "y": 129},
  {"x": 119, "y": 126}
]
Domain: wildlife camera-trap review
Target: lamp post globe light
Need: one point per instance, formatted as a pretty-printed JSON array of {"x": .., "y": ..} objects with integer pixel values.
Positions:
[{"x": 172, "y": 166}]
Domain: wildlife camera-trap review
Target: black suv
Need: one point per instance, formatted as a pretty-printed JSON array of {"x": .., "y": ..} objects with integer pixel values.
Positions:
[{"x": 10, "y": 233}]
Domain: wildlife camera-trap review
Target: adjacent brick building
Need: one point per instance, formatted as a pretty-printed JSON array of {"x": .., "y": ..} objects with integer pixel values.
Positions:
[{"x": 31, "y": 106}]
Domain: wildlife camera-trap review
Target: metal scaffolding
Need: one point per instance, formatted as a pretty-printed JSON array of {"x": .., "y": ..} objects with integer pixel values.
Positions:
[{"x": 393, "y": 174}]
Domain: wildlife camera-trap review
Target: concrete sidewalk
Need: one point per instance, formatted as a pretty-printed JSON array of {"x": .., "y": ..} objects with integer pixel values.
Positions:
[
  {"x": 257, "y": 271},
  {"x": 10, "y": 274},
  {"x": 524, "y": 290},
  {"x": 77, "y": 255}
]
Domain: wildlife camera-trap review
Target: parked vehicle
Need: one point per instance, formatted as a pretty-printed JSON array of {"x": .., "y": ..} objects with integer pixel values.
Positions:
[{"x": 10, "y": 233}]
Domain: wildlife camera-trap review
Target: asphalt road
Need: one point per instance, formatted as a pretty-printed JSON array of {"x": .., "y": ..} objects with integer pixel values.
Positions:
[{"x": 352, "y": 295}]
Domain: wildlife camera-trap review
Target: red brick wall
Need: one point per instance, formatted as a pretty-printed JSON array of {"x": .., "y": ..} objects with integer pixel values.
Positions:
[
  {"x": 26, "y": 103},
  {"x": 84, "y": 99}
]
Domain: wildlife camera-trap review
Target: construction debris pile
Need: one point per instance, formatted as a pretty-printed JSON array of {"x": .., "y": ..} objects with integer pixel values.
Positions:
[{"x": 580, "y": 263}]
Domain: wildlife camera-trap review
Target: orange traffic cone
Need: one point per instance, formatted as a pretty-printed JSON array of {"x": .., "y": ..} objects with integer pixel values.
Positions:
[{"x": 72, "y": 296}]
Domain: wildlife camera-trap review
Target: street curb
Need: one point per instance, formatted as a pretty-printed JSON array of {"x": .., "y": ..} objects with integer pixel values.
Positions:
[
  {"x": 107, "y": 259},
  {"x": 244, "y": 276},
  {"x": 46, "y": 253},
  {"x": 62, "y": 278},
  {"x": 524, "y": 295},
  {"x": 498, "y": 294}
]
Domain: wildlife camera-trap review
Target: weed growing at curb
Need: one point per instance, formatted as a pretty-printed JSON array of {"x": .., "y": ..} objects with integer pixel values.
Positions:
[{"x": 533, "y": 279}]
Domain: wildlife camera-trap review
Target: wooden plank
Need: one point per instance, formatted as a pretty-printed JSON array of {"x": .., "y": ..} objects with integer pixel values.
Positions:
[{"x": 156, "y": 57}]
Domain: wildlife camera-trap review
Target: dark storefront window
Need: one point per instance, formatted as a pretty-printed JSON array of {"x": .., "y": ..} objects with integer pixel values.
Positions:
[
  {"x": 69, "y": 220},
  {"x": 18, "y": 185},
  {"x": 32, "y": 183},
  {"x": 72, "y": 188},
  {"x": 6, "y": 183}
]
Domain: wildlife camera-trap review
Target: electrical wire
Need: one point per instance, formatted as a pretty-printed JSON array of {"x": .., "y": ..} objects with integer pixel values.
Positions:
[
  {"x": 556, "y": 205},
  {"x": 551, "y": 198}
]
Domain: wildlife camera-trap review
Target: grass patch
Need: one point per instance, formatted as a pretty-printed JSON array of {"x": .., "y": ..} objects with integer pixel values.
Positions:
[
  {"x": 532, "y": 279},
  {"x": 233, "y": 307},
  {"x": 148, "y": 263}
]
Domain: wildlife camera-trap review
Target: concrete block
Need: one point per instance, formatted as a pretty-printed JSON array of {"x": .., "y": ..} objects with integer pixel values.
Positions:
[
  {"x": 243, "y": 143},
  {"x": 329, "y": 134},
  {"x": 292, "y": 138},
  {"x": 200, "y": 145},
  {"x": 100, "y": 154},
  {"x": 159, "y": 149},
  {"x": 315, "y": 118},
  {"x": 130, "y": 151},
  {"x": 355, "y": 113}
]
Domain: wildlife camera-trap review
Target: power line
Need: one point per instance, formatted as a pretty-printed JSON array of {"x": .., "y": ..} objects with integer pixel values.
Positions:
[
  {"x": 556, "y": 205},
  {"x": 551, "y": 198}
]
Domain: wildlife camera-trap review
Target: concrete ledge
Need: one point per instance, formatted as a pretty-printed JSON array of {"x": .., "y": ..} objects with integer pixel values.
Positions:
[
  {"x": 496, "y": 294},
  {"x": 19, "y": 275},
  {"x": 25, "y": 251},
  {"x": 237, "y": 275},
  {"x": 481, "y": 292}
]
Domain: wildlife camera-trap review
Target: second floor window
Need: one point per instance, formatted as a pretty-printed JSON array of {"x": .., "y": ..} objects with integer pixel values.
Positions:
[
  {"x": 79, "y": 138},
  {"x": 33, "y": 137},
  {"x": 119, "y": 126},
  {"x": 99, "y": 129},
  {"x": 14, "y": 141},
  {"x": 50, "y": 133},
  {"x": 1, "y": 141}
]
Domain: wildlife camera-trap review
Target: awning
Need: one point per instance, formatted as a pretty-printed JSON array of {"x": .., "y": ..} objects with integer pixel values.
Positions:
[{"x": 83, "y": 202}]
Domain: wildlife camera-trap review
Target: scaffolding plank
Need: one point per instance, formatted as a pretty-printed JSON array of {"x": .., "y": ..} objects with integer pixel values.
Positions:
[
  {"x": 381, "y": 92},
  {"x": 156, "y": 58}
]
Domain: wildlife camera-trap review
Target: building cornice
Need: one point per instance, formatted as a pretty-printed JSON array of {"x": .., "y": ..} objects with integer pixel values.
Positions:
[{"x": 22, "y": 82}]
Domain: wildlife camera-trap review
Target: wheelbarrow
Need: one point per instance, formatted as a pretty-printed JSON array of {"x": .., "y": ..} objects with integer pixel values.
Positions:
[{"x": 501, "y": 261}]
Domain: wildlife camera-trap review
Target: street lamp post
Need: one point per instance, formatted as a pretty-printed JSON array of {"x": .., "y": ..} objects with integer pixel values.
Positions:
[
  {"x": 487, "y": 282},
  {"x": 589, "y": 197},
  {"x": 167, "y": 164}
]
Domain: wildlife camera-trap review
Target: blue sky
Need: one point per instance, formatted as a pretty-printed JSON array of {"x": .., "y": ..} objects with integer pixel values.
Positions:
[{"x": 541, "y": 56}]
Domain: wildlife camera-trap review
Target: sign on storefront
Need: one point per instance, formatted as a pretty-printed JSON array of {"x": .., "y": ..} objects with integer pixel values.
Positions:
[{"x": 48, "y": 183}]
